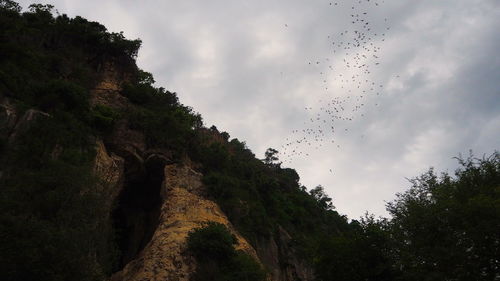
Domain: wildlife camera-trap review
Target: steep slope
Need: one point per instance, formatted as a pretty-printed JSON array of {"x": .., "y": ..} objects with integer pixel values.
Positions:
[
  {"x": 184, "y": 207},
  {"x": 103, "y": 174}
]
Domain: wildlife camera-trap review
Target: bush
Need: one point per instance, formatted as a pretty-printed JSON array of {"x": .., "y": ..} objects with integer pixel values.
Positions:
[
  {"x": 214, "y": 241},
  {"x": 53, "y": 222},
  {"x": 213, "y": 248},
  {"x": 63, "y": 96},
  {"x": 104, "y": 118}
]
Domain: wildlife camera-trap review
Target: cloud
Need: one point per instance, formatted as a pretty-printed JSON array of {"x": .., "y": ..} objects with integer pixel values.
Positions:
[{"x": 245, "y": 66}]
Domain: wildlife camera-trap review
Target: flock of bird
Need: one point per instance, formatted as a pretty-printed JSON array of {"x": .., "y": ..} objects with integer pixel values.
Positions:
[{"x": 345, "y": 77}]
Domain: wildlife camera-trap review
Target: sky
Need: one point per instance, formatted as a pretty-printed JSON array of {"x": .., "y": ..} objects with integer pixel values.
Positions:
[{"x": 358, "y": 96}]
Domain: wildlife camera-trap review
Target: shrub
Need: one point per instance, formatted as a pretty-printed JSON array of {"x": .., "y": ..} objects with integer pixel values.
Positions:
[
  {"x": 213, "y": 248},
  {"x": 214, "y": 241},
  {"x": 104, "y": 118}
]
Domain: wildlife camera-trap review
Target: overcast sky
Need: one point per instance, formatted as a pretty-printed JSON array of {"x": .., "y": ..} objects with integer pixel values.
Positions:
[{"x": 281, "y": 74}]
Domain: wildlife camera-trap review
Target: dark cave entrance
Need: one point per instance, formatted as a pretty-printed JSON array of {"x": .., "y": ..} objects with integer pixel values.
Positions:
[{"x": 135, "y": 217}]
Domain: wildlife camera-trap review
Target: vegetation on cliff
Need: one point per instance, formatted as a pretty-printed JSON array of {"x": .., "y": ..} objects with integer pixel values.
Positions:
[
  {"x": 53, "y": 224},
  {"x": 217, "y": 259}
]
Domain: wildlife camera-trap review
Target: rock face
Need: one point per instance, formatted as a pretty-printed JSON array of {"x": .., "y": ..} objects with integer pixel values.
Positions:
[
  {"x": 183, "y": 209},
  {"x": 8, "y": 117},
  {"x": 110, "y": 168},
  {"x": 107, "y": 91},
  {"x": 154, "y": 202},
  {"x": 14, "y": 123},
  {"x": 278, "y": 254},
  {"x": 159, "y": 202}
]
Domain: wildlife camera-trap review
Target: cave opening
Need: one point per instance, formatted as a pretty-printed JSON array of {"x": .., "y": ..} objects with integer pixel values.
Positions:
[{"x": 136, "y": 215}]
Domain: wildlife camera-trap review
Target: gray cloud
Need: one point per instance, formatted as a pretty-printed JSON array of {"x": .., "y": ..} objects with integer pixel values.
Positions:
[{"x": 245, "y": 66}]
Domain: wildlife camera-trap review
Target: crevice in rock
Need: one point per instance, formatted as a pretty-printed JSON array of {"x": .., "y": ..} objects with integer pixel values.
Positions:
[{"x": 136, "y": 214}]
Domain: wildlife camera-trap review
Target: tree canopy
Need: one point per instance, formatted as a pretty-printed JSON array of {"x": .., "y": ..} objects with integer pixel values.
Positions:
[{"x": 448, "y": 228}]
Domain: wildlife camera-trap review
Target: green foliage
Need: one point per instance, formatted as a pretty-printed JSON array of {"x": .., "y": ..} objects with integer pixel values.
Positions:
[
  {"x": 217, "y": 259},
  {"x": 362, "y": 253},
  {"x": 271, "y": 158},
  {"x": 54, "y": 223},
  {"x": 41, "y": 8},
  {"x": 52, "y": 218},
  {"x": 37, "y": 47},
  {"x": 442, "y": 228},
  {"x": 145, "y": 94},
  {"x": 51, "y": 221},
  {"x": 9, "y": 5},
  {"x": 213, "y": 241},
  {"x": 170, "y": 128},
  {"x": 54, "y": 214},
  {"x": 144, "y": 77},
  {"x": 104, "y": 118},
  {"x": 448, "y": 228},
  {"x": 60, "y": 95},
  {"x": 324, "y": 201},
  {"x": 164, "y": 121},
  {"x": 260, "y": 197},
  {"x": 216, "y": 156}
]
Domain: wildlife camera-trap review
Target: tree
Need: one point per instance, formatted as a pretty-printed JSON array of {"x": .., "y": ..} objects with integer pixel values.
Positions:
[
  {"x": 214, "y": 241},
  {"x": 10, "y": 6},
  {"x": 271, "y": 158},
  {"x": 361, "y": 254},
  {"x": 40, "y": 8},
  {"x": 145, "y": 77},
  {"x": 217, "y": 259},
  {"x": 447, "y": 228},
  {"x": 324, "y": 201}
]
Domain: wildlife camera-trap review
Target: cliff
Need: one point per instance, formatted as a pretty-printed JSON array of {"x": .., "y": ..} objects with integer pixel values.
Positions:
[
  {"x": 182, "y": 210},
  {"x": 156, "y": 248},
  {"x": 106, "y": 176}
]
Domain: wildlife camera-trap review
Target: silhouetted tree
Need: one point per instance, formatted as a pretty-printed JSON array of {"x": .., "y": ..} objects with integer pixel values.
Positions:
[
  {"x": 271, "y": 157},
  {"x": 324, "y": 201},
  {"x": 10, "y": 6},
  {"x": 447, "y": 228}
]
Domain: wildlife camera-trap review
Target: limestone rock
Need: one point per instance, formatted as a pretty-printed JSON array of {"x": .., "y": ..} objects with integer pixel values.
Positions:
[
  {"x": 127, "y": 142},
  {"x": 107, "y": 91},
  {"x": 110, "y": 168},
  {"x": 8, "y": 117},
  {"x": 24, "y": 122},
  {"x": 183, "y": 210}
]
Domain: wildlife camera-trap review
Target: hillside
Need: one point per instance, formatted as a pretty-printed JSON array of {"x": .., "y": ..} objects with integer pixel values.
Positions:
[{"x": 106, "y": 177}]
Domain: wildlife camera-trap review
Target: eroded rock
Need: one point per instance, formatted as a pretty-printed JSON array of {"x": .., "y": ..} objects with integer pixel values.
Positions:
[
  {"x": 110, "y": 168},
  {"x": 107, "y": 90},
  {"x": 183, "y": 210}
]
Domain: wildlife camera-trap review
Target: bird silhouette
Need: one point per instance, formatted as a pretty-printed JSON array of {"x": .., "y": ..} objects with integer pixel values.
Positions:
[{"x": 347, "y": 78}]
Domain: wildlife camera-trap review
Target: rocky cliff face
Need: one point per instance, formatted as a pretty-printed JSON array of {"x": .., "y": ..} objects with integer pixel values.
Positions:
[
  {"x": 160, "y": 202},
  {"x": 110, "y": 168},
  {"x": 183, "y": 209},
  {"x": 13, "y": 122},
  {"x": 281, "y": 259},
  {"x": 155, "y": 202},
  {"x": 107, "y": 90},
  {"x": 149, "y": 191}
]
